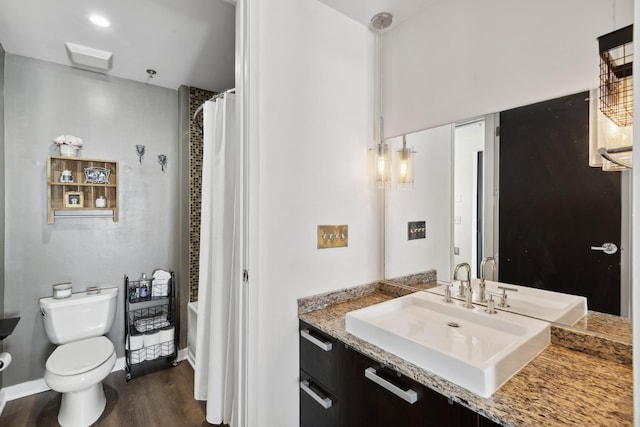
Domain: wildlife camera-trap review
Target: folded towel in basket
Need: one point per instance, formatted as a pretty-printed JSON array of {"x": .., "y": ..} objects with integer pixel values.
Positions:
[
  {"x": 161, "y": 275},
  {"x": 151, "y": 323}
]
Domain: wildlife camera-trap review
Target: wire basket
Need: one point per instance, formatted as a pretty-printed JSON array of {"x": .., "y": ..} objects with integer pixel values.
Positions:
[
  {"x": 151, "y": 318},
  {"x": 616, "y": 75}
]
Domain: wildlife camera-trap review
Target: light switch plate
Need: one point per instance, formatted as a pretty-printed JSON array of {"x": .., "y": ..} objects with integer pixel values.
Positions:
[
  {"x": 333, "y": 236},
  {"x": 416, "y": 230}
]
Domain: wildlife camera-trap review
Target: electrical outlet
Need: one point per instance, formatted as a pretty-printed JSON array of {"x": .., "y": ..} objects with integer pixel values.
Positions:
[
  {"x": 456, "y": 250},
  {"x": 417, "y": 230},
  {"x": 333, "y": 236}
]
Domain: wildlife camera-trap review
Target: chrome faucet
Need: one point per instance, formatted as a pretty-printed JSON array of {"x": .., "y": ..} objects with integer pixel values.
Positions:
[
  {"x": 461, "y": 293},
  {"x": 481, "y": 288}
]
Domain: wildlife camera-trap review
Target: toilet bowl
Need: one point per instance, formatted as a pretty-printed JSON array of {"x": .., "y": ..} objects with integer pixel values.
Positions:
[
  {"x": 84, "y": 357},
  {"x": 76, "y": 370}
]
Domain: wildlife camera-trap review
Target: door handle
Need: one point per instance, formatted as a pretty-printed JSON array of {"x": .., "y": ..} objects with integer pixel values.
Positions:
[{"x": 608, "y": 248}]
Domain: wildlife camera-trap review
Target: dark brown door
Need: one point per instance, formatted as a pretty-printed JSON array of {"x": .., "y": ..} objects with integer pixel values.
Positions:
[{"x": 554, "y": 207}]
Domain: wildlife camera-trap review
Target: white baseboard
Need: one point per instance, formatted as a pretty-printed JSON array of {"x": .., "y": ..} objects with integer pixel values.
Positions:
[
  {"x": 3, "y": 400},
  {"x": 25, "y": 389},
  {"x": 120, "y": 364},
  {"x": 183, "y": 354},
  {"x": 28, "y": 388}
]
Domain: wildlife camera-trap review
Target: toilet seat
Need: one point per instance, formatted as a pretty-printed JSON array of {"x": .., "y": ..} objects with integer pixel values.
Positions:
[{"x": 80, "y": 356}]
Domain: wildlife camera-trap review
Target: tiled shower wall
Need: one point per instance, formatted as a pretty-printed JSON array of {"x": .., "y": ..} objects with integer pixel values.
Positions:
[{"x": 196, "y": 98}]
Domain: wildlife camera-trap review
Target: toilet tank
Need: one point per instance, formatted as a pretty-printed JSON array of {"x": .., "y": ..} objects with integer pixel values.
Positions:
[{"x": 82, "y": 315}]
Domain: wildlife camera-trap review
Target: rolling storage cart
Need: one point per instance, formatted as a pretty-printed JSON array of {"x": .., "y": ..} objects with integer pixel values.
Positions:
[{"x": 151, "y": 326}]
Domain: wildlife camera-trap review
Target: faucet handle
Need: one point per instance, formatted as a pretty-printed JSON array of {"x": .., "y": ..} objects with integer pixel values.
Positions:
[
  {"x": 447, "y": 293},
  {"x": 469, "y": 297},
  {"x": 491, "y": 307},
  {"x": 503, "y": 297}
]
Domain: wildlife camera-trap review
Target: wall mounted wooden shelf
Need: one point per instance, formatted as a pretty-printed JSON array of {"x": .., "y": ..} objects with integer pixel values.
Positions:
[{"x": 77, "y": 198}]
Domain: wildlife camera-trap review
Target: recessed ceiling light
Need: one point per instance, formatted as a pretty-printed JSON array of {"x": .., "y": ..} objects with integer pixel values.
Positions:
[{"x": 100, "y": 21}]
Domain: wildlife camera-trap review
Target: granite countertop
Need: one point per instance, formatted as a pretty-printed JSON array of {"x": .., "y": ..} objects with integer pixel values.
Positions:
[{"x": 559, "y": 387}]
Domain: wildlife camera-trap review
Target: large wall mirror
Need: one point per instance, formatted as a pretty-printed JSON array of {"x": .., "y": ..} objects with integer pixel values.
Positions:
[
  {"x": 509, "y": 58},
  {"x": 524, "y": 194}
]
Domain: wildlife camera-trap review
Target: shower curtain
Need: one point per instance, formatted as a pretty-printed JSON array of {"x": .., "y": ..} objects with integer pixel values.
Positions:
[{"x": 220, "y": 276}]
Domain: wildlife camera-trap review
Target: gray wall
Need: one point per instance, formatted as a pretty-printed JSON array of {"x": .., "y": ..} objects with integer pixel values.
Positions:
[
  {"x": 1, "y": 194},
  {"x": 44, "y": 100}
]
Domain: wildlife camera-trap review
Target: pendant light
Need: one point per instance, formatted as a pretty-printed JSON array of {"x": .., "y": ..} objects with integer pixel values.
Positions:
[
  {"x": 379, "y": 23},
  {"x": 405, "y": 164},
  {"x": 614, "y": 116}
]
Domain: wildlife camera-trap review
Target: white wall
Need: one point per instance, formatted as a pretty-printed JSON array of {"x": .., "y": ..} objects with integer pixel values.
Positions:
[
  {"x": 312, "y": 123},
  {"x": 429, "y": 200},
  {"x": 44, "y": 100},
  {"x": 460, "y": 59}
]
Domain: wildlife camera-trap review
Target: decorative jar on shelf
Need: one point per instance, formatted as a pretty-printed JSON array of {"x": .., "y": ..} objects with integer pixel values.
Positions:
[
  {"x": 101, "y": 202},
  {"x": 68, "y": 150}
]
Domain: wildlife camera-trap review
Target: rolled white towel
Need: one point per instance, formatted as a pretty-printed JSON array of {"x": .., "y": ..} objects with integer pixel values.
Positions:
[
  {"x": 153, "y": 352},
  {"x": 138, "y": 356},
  {"x": 167, "y": 334},
  {"x": 167, "y": 348},
  {"x": 134, "y": 342},
  {"x": 151, "y": 339}
]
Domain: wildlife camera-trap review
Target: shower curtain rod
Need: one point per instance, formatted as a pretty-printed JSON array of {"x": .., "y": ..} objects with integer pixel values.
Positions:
[{"x": 213, "y": 98}]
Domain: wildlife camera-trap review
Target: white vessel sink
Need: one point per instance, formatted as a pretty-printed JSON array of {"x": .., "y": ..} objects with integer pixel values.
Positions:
[
  {"x": 469, "y": 347},
  {"x": 539, "y": 303}
]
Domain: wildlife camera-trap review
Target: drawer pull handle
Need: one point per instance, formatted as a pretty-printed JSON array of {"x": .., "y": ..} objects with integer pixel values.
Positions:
[
  {"x": 326, "y": 346},
  {"x": 407, "y": 395},
  {"x": 325, "y": 402}
]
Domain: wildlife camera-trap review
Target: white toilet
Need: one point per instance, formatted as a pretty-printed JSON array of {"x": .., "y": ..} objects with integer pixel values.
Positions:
[{"x": 84, "y": 356}]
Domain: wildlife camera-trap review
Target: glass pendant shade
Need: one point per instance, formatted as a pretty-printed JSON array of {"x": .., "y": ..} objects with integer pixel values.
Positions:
[
  {"x": 405, "y": 164},
  {"x": 383, "y": 164}
]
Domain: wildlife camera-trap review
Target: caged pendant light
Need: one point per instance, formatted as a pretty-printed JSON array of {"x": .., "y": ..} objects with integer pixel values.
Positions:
[
  {"x": 616, "y": 71},
  {"x": 615, "y": 100}
]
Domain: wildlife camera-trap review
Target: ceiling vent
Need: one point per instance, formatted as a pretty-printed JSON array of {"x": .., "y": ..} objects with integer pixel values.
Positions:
[{"x": 89, "y": 58}]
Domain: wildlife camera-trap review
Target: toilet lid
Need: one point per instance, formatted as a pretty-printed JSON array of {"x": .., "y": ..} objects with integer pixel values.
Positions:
[{"x": 79, "y": 356}]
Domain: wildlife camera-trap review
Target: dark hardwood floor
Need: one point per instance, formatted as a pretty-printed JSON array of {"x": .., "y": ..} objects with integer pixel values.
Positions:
[{"x": 163, "y": 398}]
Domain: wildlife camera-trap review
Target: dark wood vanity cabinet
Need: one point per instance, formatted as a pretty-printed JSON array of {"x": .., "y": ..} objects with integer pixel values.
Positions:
[
  {"x": 341, "y": 387},
  {"x": 379, "y": 396},
  {"x": 318, "y": 378}
]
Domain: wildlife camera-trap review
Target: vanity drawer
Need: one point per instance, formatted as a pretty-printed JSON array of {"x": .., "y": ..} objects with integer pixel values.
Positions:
[
  {"x": 318, "y": 356},
  {"x": 318, "y": 407}
]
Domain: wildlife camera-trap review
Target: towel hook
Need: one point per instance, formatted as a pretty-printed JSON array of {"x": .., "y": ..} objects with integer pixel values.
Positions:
[{"x": 162, "y": 159}]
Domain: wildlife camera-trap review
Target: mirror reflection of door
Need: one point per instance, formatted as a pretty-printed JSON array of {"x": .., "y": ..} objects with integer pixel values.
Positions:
[
  {"x": 474, "y": 202},
  {"x": 551, "y": 207},
  {"x": 554, "y": 208},
  {"x": 469, "y": 147}
]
